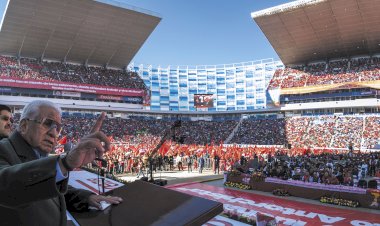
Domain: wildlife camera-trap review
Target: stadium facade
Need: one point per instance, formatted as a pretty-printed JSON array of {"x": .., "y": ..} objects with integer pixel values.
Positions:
[{"x": 239, "y": 86}]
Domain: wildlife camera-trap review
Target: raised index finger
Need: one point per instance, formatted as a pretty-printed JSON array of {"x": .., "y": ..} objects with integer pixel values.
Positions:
[
  {"x": 98, "y": 123},
  {"x": 102, "y": 138}
]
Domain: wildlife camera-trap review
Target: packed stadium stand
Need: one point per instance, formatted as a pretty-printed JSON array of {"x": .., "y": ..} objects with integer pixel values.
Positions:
[
  {"x": 335, "y": 72},
  {"x": 305, "y": 132},
  {"x": 56, "y": 71}
]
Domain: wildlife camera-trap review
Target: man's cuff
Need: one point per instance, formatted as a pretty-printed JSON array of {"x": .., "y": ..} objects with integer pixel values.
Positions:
[{"x": 59, "y": 176}]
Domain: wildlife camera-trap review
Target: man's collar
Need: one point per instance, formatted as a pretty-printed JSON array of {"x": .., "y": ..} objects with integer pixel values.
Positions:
[
  {"x": 22, "y": 148},
  {"x": 39, "y": 154}
]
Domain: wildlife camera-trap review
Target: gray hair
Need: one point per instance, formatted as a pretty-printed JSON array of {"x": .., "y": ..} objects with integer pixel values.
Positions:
[{"x": 33, "y": 107}]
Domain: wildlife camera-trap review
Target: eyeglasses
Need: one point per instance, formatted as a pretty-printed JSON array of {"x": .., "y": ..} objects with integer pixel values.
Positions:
[
  {"x": 6, "y": 118},
  {"x": 48, "y": 124}
]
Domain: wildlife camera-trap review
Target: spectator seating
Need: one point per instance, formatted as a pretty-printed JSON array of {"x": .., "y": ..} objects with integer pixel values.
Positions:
[
  {"x": 299, "y": 132},
  {"x": 33, "y": 69},
  {"x": 333, "y": 72}
]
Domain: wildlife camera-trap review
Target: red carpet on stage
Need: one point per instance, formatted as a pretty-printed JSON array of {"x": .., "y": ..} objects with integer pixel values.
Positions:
[{"x": 286, "y": 212}]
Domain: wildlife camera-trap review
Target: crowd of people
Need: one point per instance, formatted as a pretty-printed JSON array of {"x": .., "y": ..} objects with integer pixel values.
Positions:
[
  {"x": 205, "y": 132},
  {"x": 319, "y": 165},
  {"x": 133, "y": 141},
  {"x": 333, "y": 72},
  {"x": 134, "y": 138},
  {"x": 263, "y": 132},
  {"x": 27, "y": 68},
  {"x": 333, "y": 131},
  {"x": 360, "y": 131},
  {"x": 347, "y": 130},
  {"x": 328, "y": 168}
]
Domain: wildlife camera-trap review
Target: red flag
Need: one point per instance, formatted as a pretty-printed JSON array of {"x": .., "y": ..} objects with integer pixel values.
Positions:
[
  {"x": 63, "y": 140},
  {"x": 165, "y": 147}
]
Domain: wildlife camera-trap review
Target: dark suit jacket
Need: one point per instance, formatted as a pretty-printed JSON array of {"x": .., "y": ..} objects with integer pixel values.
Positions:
[{"x": 29, "y": 194}]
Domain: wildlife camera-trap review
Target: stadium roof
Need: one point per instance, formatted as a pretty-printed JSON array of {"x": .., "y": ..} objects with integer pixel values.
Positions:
[
  {"x": 309, "y": 30},
  {"x": 75, "y": 31}
]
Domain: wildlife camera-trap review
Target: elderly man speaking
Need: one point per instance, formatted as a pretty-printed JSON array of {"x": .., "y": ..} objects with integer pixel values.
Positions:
[{"x": 33, "y": 185}]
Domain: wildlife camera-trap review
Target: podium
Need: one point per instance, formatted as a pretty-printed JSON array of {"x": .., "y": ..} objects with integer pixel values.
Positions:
[{"x": 148, "y": 204}]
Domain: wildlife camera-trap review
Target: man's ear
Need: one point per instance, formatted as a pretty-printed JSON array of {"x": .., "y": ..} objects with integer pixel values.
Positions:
[{"x": 23, "y": 126}]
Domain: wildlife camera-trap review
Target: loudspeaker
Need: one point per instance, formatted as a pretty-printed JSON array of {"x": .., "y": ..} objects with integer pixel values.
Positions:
[{"x": 160, "y": 182}]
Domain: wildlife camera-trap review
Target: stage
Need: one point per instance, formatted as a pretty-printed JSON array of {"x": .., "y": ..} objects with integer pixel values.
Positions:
[{"x": 367, "y": 198}]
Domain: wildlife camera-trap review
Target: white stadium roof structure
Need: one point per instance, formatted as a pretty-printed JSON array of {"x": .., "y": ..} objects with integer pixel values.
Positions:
[
  {"x": 104, "y": 33},
  {"x": 308, "y": 30}
]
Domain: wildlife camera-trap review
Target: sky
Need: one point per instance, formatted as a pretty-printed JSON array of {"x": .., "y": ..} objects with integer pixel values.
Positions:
[{"x": 204, "y": 32}]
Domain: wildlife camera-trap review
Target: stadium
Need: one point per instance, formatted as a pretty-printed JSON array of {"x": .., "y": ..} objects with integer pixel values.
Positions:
[{"x": 304, "y": 126}]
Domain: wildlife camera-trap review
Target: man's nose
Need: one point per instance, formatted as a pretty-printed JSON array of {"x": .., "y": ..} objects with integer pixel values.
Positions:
[{"x": 54, "y": 132}]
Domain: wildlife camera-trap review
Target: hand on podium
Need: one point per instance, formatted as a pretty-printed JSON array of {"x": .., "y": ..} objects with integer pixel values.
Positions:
[{"x": 98, "y": 201}]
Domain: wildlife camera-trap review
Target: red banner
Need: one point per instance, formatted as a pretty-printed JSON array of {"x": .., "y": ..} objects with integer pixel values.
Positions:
[
  {"x": 286, "y": 212},
  {"x": 67, "y": 86}
]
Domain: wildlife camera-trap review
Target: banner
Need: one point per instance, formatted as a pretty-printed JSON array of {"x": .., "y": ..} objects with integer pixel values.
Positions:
[
  {"x": 66, "y": 86},
  {"x": 275, "y": 94},
  {"x": 325, "y": 87},
  {"x": 89, "y": 181},
  {"x": 285, "y": 211}
]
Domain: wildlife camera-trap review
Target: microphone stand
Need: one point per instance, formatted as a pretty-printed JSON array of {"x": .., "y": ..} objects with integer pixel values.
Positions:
[
  {"x": 101, "y": 172},
  {"x": 102, "y": 175},
  {"x": 159, "y": 145}
]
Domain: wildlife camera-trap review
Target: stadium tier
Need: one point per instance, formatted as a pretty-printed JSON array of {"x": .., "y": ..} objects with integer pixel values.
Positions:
[
  {"x": 54, "y": 71},
  {"x": 304, "y": 132},
  {"x": 335, "y": 72},
  {"x": 335, "y": 80},
  {"x": 28, "y": 77}
]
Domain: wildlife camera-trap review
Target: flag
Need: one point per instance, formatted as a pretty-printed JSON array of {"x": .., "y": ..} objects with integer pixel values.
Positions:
[
  {"x": 165, "y": 148},
  {"x": 63, "y": 140}
]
